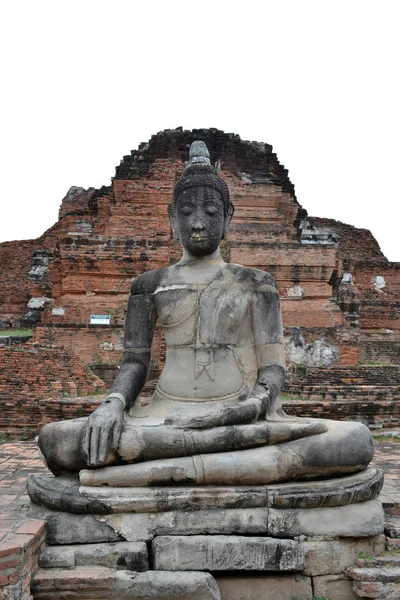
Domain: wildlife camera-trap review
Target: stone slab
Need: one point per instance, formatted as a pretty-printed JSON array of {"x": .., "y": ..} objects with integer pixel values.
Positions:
[
  {"x": 355, "y": 520},
  {"x": 260, "y": 586},
  {"x": 145, "y": 526},
  {"x": 102, "y": 583},
  {"x": 226, "y": 553},
  {"x": 159, "y": 585},
  {"x": 132, "y": 556},
  {"x": 381, "y": 574}
]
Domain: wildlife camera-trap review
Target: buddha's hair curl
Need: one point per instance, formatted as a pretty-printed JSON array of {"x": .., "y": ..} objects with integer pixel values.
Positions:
[{"x": 200, "y": 172}]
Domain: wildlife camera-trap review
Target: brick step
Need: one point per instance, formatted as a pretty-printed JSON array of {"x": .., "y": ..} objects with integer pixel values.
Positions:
[
  {"x": 351, "y": 384},
  {"x": 103, "y": 583},
  {"x": 385, "y": 560},
  {"x": 392, "y": 528},
  {"x": 373, "y": 390},
  {"x": 353, "y": 389},
  {"x": 376, "y": 582},
  {"x": 131, "y": 556}
]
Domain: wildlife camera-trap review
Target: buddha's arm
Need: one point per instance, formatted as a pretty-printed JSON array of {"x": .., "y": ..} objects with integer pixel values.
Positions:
[
  {"x": 259, "y": 403},
  {"x": 104, "y": 426}
]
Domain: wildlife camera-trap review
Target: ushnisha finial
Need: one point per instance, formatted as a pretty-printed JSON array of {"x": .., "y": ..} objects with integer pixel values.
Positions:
[
  {"x": 199, "y": 153},
  {"x": 200, "y": 172}
]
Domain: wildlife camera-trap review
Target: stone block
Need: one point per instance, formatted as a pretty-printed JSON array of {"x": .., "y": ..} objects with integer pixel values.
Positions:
[
  {"x": 363, "y": 519},
  {"x": 161, "y": 585},
  {"x": 65, "y": 528},
  {"x": 337, "y": 587},
  {"x": 226, "y": 553},
  {"x": 102, "y": 583},
  {"x": 264, "y": 587},
  {"x": 321, "y": 557},
  {"x": 131, "y": 556}
]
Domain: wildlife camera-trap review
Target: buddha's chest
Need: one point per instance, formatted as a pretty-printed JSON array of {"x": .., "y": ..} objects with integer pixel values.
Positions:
[{"x": 204, "y": 314}]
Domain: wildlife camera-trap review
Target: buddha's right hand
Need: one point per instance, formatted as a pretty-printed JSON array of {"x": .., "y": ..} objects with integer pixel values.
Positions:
[{"x": 102, "y": 432}]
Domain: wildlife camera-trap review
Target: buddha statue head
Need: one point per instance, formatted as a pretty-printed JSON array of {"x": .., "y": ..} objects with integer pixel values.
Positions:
[{"x": 201, "y": 209}]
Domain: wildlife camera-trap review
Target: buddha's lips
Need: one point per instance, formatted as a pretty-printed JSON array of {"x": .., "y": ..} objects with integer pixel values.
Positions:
[{"x": 198, "y": 238}]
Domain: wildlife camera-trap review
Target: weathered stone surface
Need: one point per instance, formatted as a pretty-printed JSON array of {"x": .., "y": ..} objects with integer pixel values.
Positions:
[
  {"x": 325, "y": 557},
  {"x": 65, "y": 528},
  {"x": 352, "y": 548},
  {"x": 159, "y": 585},
  {"x": 122, "y": 555},
  {"x": 62, "y": 493},
  {"x": 338, "y": 491},
  {"x": 382, "y": 574},
  {"x": 337, "y": 587},
  {"x": 102, "y": 583},
  {"x": 381, "y": 581},
  {"x": 363, "y": 519},
  {"x": 315, "y": 354},
  {"x": 355, "y": 520},
  {"x": 226, "y": 553},
  {"x": 264, "y": 587},
  {"x": 392, "y": 527},
  {"x": 386, "y": 560},
  {"x": 162, "y": 499},
  {"x": 38, "y": 303},
  {"x": 145, "y": 526},
  {"x": 322, "y": 558}
]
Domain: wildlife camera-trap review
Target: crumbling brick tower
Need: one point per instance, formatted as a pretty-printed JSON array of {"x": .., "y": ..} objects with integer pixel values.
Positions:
[{"x": 337, "y": 288}]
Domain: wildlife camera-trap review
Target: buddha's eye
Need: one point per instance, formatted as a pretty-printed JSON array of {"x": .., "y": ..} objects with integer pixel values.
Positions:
[
  {"x": 211, "y": 209},
  {"x": 186, "y": 210}
]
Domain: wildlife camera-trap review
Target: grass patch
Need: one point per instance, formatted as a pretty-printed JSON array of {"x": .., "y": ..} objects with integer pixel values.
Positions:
[
  {"x": 25, "y": 435},
  {"x": 285, "y": 397},
  {"x": 15, "y": 332},
  {"x": 386, "y": 438}
]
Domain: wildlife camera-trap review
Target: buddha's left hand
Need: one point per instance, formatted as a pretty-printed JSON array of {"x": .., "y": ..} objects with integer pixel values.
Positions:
[{"x": 249, "y": 410}]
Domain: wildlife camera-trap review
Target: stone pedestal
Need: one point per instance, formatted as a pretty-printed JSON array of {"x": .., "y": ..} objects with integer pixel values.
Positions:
[{"x": 243, "y": 543}]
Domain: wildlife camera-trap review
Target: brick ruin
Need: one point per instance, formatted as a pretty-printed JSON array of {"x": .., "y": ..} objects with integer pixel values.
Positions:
[{"x": 340, "y": 295}]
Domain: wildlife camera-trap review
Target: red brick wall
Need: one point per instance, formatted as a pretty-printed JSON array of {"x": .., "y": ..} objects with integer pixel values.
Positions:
[
  {"x": 30, "y": 373},
  {"x": 15, "y": 263},
  {"x": 20, "y": 549}
]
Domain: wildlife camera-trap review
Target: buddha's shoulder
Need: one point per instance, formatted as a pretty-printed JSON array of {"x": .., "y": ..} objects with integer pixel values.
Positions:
[
  {"x": 147, "y": 282},
  {"x": 252, "y": 278}
]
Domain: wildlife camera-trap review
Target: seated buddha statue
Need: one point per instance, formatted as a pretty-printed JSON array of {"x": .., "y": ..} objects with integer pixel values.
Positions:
[{"x": 215, "y": 416}]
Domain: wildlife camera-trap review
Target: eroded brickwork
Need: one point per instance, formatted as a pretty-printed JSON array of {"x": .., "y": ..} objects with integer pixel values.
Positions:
[{"x": 30, "y": 373}]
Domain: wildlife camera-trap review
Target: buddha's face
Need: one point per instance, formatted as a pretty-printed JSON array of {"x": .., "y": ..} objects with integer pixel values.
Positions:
[{"x": 199, "y": 220}]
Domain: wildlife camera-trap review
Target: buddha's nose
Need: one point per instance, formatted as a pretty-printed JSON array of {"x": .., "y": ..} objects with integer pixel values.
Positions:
[{"x": 198, "y": 225}]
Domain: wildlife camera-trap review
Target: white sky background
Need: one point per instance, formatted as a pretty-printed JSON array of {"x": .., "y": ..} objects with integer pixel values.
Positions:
[{"x": 83, "y": 82}]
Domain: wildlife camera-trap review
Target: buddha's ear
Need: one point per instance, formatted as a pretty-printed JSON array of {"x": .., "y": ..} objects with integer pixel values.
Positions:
[
  {"x": 228, "y": 218},
  {"x": 172, "y": 220}
]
